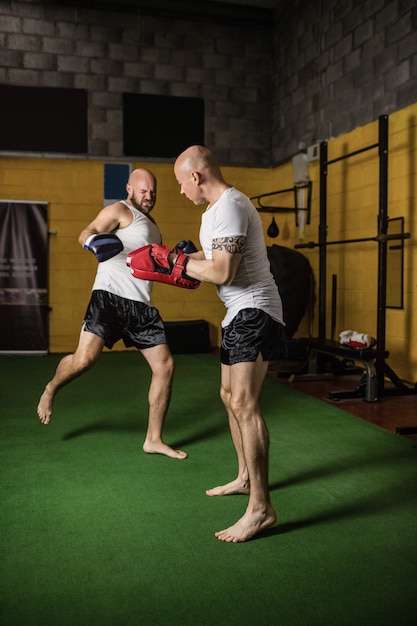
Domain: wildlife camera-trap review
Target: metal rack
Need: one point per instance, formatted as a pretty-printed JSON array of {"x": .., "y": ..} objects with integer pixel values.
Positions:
[
  {"x": 265, "y": 208},
  {"x": 374, "y": 359}
]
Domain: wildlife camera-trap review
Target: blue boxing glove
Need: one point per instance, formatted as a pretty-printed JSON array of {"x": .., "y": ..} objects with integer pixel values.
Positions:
[
  {"x": 104, "y": 246},
  {"x": 186, "y": 247}
]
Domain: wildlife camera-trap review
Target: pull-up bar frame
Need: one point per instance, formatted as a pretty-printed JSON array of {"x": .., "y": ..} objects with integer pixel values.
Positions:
[
  {"x": 379, "y": 355},
  {"x": 382, "y": 147}
]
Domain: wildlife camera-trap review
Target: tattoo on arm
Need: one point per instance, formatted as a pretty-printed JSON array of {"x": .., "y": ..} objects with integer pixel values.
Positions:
[{"x": 232, "y": 245}]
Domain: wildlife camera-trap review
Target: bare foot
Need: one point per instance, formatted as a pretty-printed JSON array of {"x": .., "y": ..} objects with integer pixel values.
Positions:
[
  {"x": 45, "y": 407},
  {"x": 162, "y": 448},
  {"x": 232, "y": 488},
  {"x": 248, "y": 526}
]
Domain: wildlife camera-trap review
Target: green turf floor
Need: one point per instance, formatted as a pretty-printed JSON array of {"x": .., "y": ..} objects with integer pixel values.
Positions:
[{"x": 95, "y": 532}]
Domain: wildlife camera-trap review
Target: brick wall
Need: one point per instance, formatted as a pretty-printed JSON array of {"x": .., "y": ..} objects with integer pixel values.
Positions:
[
  {"x": 339, "y": 65},
  {"x": 109, "y": 53},
  {"x": 323, "y": 69}
]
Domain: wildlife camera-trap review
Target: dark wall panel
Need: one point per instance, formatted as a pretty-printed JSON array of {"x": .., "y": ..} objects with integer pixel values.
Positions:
[
  {"x": 161, "y": 126},
  {"x": 43, "y": 119}
]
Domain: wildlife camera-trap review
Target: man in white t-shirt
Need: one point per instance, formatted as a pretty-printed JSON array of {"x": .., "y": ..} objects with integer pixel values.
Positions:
[
  {"x": 121, "y": 307},
  {"x": 234, "y": 258}
]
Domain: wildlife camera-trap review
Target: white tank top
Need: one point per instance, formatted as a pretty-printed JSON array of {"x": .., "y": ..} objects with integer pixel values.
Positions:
[
  {"x": 114, "y": 275},
  {"x": 253, "y": 285}
]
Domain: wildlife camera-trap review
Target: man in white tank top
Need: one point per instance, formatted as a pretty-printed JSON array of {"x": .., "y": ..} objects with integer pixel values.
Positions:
[
  {"x": 121, "y": 308},
  {"x": 234, "y": 258}
]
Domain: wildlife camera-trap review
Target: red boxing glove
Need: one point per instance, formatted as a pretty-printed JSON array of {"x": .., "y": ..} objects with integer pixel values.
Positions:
[{"x": 152, "y": 263}]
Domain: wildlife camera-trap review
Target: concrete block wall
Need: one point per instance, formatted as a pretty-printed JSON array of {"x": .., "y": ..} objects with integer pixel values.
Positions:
[
  {"x": 109, "y": 52},
  {"x": 322, "y": 68},
  {"x": 339, "y": 65}
]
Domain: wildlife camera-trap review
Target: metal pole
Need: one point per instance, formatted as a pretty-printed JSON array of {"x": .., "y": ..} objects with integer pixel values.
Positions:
[
  {"x": 322, "y": 241},
  {"x": 382, "y": 244}
]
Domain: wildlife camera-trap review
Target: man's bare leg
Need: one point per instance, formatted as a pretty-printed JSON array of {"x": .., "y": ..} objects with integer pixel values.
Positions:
[
  {"x": 246, "y": 384},
  {"x": 69, "y": 368},
  {"x": 241, "y": 483},
  {"x": 161, "y": 362}
]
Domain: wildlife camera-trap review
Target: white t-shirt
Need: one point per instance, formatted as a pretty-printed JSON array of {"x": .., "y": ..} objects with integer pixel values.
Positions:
[
  {"x": 114, "y": 275},
  {"x": 253, "y": 286}
]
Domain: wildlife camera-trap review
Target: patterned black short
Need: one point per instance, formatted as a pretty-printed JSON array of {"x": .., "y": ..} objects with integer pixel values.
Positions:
[
  {"x": 112, "y": 318},
  {"x": 251, "y": 332}
]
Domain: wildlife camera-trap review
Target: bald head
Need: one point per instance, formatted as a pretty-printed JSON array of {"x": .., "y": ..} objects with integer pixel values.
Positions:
[
  {"x": 141, "y": 174},
  {"x": 199, "y": 175},
  {"x": 199, "y": 159},
  {"x": 141, "y": 190}
]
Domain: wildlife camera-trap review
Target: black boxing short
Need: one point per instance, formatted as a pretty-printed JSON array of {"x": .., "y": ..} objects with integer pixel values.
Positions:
[
  {"x": 112, "y": 318},
  {"x": 251, "y": 332}
]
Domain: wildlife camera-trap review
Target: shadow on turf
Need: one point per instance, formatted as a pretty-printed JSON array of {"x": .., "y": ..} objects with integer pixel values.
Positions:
[
  {"x": 337, "y": 466},
  {"x": 103, "y": 427},
  {"x": 369, "y": 505}
]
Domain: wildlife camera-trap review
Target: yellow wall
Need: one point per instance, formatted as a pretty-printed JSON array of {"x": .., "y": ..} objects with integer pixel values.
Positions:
[
  {"x": 73, "y": 189},
  {"x": 352, "y": 211}
]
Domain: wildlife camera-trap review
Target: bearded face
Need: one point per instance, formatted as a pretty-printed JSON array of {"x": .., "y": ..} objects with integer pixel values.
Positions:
[{"x": 141, "y": 190}]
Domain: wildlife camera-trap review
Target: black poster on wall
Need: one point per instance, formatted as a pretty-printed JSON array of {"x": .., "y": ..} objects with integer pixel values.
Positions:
[{"x": 23, "y": 277}]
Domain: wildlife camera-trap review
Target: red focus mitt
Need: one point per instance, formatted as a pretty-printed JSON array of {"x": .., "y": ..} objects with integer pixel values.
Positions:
[{"x": 152, "y": 263}]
